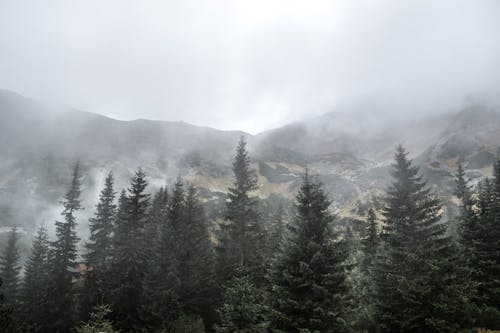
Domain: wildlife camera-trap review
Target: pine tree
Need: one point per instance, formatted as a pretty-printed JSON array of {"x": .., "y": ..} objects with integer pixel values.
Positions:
[
  {"x": 485, "y": 241},
  {"x": 420, "y": 287},
  {"x": 10, "y": 268},
  {"x": 129, "y": 255},
  {"x": 309, "y": 288},
  {"x": 6, "y": 324},
  {"x": 243, "y": 309},
  {"x": 241, "y": 237},
  {"x": 370, "y": 242},
  {"x": 196, "y": 261},
  {"x": 365, "y": 286},
  {"x": 63, "y": 256},
  {"x": 162, "y": 281},
  {"x": 101, "y": 227},
  {"x": 276, "y": 233},
  {"x": 98, "y": 322},
  {"x": 36, "y": 278},
  {"x": 98, "y": 249},
  {"x": 468, "y": 226}
]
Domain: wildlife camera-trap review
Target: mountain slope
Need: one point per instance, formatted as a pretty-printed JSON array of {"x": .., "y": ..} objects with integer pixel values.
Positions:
[{"x": 350, "y": 153}]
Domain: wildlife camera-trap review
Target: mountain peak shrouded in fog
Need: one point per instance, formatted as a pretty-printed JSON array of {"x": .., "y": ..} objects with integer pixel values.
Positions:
[
  {"x": 250, "y": 65},
  {"x": 41, "y": 141}
]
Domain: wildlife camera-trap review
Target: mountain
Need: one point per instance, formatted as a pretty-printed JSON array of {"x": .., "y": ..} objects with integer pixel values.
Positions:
[{"x": 350, "y": 152}]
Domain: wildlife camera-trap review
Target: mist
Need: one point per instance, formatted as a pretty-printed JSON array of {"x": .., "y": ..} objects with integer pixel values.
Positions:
[{"x": 253, "y": 65}]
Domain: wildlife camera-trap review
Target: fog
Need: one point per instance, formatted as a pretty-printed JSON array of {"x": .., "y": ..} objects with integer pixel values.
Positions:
[{"x": 251, "y": 65}]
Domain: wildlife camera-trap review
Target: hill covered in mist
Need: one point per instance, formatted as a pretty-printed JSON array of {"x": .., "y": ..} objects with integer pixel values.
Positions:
[{"x": 350, "y": 152}]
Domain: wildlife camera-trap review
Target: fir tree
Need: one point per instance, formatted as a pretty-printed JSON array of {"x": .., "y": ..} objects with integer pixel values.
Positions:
[
  {"x": 243, "y": 308},
  {"x": 98, "y": 248},
  {"x": 420, "y": 288},
  {"x": 485, "y": 242},
  {"x": 36, "y": 278},
  {"x": 241, "y": 237},
  {"x": 276, "y": 233},
  {"x": 98, "y": 322},
  {"x": 370, "y": 243},
  {"x": 63, "y": 256},
  {"x": 309, "y": 288},
  {"x": 101, "y": 227},
  {"x": 129, "y": 255},
  {"x": 196, "y": 260},
  {"x": 6, "y": 324},
  {"x": 468, "y": 226},
  {"x": 162, "y": 281},
  {"x": 10, "y": 268}
]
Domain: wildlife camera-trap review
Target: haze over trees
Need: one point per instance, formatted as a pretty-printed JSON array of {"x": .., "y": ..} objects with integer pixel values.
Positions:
[{"x": 154, "y": 263}]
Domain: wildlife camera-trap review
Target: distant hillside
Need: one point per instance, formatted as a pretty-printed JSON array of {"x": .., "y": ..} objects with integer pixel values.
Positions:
[{"x": 351, "y": 155}]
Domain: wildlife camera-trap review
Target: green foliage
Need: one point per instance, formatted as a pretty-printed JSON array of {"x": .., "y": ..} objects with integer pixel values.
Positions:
[
  {"x": 98, "y": 322},
  {"x": 129, "y": 253},
  {"x": 309, "y": 288},
  {"x": 6, "y": 323},
  {"x": 242, "y": 237},
  {"x": 180, "y": 278},
  {"x": 63, "y": 254},
  {"x": 187, "y": 324},
  {"x": 36, "y": 278},
  {"x": 243, "y": 309},
  {"x": 98, "y": 249},
  {"x": 10, "y": 268},
  {"x": 421, "y": 287}
]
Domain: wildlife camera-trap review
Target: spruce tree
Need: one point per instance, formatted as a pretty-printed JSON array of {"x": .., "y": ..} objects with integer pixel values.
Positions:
[
  {"x": 162, "y": 281},
  {"x": 370, "y": 243},
  {"x": 36, "y": 278},
  {"x": 243, "y": 309},
  {"x": 241, "y": 237},
  {"x": 98, "y": 249},
  {"x": 6, "y": 323},
  {"x": 276, "y": 233},
  {"x": 10, "y": 268},
  {"x": 485, "y": 263},
  {"x": 468, "y": 226},
  {"x": 196, "y": 261},
  {"x": 420, "y": 286},
  {"x": 309, "y": 288},
  {"x": 129, "y": 255},
  {"x": 63, "y": 256}
]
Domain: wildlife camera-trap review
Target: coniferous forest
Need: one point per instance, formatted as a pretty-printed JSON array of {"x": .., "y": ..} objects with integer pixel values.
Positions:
[{"x": 153, "y": 263}]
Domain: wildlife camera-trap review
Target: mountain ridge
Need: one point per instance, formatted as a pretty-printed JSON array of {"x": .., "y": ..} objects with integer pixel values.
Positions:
[{"x": 42, "y": 143}]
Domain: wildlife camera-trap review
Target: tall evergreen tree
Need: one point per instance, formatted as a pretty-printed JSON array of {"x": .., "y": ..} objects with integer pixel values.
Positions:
[
  {"x": 129, "y": 255},
  {"x": 63, "y": 256},
  {"x": 276, "y": 232},
  {"x": 485, "y": 243},
  {"x": 6, "y": 323},
  {"x": 161, "y": 284},
  {"x": 308, "y": 278},
  {"x": 241, "y": 238},
  {"x": 101, "y": 227},
  {"x": 10, "y": 268},
  {"x": 370, "y": 242},
  {"x": 98, "y": 249},
  {"x": 468, "y": 226},
  {"x": 419, "y": 286},
  {"x": 243, "y": 309},
  {"x": 365, "y": 285},
  {"x": 196, "y": 261},
  {"x": 36, "y": 278}
]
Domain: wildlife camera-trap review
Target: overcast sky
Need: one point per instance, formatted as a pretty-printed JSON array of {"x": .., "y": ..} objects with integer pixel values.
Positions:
[{"x": 250, "y": 65}]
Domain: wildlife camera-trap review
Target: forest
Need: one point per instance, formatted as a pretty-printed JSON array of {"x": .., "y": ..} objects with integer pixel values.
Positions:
[{"x": 153, "y": 263}]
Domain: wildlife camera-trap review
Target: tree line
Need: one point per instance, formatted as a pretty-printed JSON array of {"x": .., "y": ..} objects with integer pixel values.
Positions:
[{"x": 151, "y": 263}]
